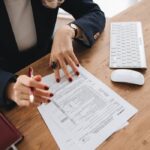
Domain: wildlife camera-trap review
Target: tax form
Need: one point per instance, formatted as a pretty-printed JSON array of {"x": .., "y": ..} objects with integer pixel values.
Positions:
[{"x": 85, "y": 112}]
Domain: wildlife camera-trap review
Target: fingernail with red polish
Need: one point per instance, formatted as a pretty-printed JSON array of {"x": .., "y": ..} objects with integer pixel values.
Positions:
[
  {"x": 46, "y": 88},
  {"x": 48, "y": 101},
  {"x": 38, "y": 79},
  {"x": 70, "y": 79},
  {"x": 51, "y": 94},
  {"x": 57, "y": 80},
  {"x": 32, "y": 89},
  {"x": 77, "y": 73}
]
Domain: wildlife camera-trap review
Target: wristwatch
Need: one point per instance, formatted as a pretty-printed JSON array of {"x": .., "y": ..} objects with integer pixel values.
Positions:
[{"x": 75, "y": 28}]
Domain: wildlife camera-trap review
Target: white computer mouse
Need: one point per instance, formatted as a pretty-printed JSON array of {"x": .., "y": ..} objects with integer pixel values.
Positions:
[{"x": 127, "y": 76}]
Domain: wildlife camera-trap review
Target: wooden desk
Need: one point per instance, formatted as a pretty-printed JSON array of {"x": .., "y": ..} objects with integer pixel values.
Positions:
[{"x": 137, "y": 135}]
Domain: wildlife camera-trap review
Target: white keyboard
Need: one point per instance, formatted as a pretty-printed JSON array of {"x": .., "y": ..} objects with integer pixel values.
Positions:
[{"x": 127, "y": 46}]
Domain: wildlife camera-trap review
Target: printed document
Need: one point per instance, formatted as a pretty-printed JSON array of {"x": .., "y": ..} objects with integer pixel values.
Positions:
[{"x": 85, "y": 112}]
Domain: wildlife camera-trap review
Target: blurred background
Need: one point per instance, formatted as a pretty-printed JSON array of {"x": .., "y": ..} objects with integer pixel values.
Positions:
[{"x": 113, "y": 7}]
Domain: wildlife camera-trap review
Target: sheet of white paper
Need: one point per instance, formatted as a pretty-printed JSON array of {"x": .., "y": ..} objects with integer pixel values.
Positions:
[{"x": 84, "y": 113}]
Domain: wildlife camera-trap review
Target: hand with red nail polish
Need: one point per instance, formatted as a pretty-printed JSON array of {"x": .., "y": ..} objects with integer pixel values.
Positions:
[
  {"x": 70, "y": 79},
  {"x": 62, "y": 53},
  {"x": 19, "y": 92}
]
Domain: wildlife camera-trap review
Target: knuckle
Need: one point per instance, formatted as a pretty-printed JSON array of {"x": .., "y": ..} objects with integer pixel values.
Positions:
[
  {"x": 15, "y": 87},
  {"x": 21, "y": 77},
  {"x": 16, "y": 94},
  {"x": 66, "y": 71},
  {"x": 69, "y": 51},
  {"x": 30, "y": 82},
  {"x": 18, "y": 79},
  {"x": 59, "y": 54},
  {"x": 66, "y": 51},
  {"x": 63, "y": 67},
  {"x": 18, "y": 102}
]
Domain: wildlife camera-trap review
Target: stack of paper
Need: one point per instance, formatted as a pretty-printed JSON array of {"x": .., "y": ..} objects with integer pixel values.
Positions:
[{"x": 84, "y": 113}]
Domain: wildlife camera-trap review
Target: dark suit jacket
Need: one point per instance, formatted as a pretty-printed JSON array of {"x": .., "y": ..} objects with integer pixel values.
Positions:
[{"x": 88, "y": 17}]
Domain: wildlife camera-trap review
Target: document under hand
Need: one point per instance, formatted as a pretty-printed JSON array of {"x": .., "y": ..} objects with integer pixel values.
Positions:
[{"x": 85, "y": 112}]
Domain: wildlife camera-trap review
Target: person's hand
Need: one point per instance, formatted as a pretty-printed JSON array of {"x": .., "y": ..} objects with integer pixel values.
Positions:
[
  {"x": 62, "y": 52},
  {"x": 19, "y": 91}
]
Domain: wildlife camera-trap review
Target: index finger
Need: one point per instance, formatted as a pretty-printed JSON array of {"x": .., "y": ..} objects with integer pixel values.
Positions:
[
  {"x": 64, "y": 68},
  {"x": 30, "y": 82}
]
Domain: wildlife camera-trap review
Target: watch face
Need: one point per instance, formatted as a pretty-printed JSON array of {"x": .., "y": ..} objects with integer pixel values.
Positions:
[{"x": 73, "y": 26}]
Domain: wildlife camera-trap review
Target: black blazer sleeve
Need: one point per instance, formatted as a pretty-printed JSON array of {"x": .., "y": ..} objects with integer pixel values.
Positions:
[
  {"x": 5, "y": 78},
  {"x": 89, "y": 18}
]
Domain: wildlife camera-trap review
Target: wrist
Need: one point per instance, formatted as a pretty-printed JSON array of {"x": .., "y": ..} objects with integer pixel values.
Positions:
[{"x": 65, "y": 30}]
